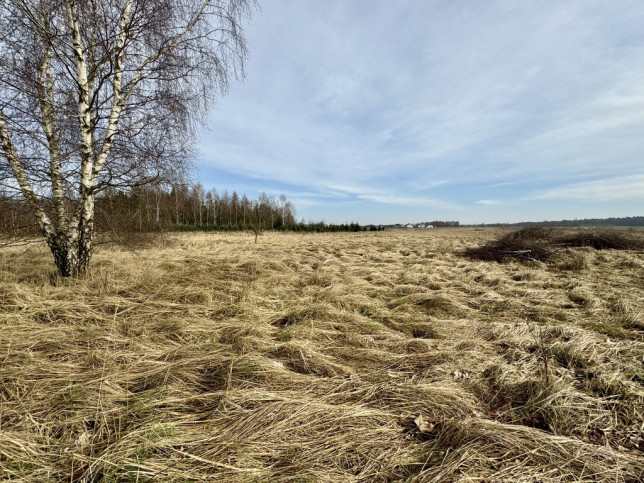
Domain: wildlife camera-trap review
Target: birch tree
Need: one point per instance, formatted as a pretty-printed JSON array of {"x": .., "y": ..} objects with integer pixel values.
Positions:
[{"x": 105, "y": 93}]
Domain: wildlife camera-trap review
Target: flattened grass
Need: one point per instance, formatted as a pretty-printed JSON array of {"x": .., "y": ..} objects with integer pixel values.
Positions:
[{"x": 309, "y": 357}]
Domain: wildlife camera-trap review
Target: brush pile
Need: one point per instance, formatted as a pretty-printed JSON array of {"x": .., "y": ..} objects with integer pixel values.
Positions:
[
  {"x": 603, "y": 240},
  {"x": 545, "y": 244}
]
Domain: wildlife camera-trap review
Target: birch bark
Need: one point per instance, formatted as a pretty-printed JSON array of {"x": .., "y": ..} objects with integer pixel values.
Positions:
[{"x": 81, "y": 82}]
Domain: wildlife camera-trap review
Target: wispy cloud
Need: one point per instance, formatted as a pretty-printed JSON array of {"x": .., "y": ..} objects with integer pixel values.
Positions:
[
  {"x": 489, "y": 202},
  {"x": 621, "y": 188},
  {"x": 442, "y": 105},
  {"x": 416, "y": 201}
]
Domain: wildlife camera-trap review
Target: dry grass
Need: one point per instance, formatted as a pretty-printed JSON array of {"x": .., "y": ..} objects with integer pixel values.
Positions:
[{"x": 308, "y": 358}]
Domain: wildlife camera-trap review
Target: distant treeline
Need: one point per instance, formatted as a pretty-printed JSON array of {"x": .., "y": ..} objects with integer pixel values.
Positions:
[
  {"x": 623, "y": 221},
  {"x": 444, "y": 224},
  {"x": 185, "y": 207},
  {"x": 301, "y": 227},
  {"x": 428, "y": 224},
  {"x": 191, "y": 207}
]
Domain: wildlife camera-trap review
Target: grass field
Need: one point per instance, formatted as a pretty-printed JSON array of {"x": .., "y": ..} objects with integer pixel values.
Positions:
[{"x": 332, "y": 357}]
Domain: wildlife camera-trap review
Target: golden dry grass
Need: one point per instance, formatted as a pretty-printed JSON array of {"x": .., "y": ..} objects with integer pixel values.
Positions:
[{"x": 308, "y": 358}]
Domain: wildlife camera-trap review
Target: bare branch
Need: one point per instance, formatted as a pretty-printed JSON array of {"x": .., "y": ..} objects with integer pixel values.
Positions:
[{"x": 19, "y": 173}]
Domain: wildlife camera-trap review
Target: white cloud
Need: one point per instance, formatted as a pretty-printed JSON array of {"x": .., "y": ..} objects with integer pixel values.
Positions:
[
  {"x": 621, "y": 188},
  {"x": 406, "y": 102},
  {"x": 415, "y": 201},
  {"x": 489, "y": 202}
]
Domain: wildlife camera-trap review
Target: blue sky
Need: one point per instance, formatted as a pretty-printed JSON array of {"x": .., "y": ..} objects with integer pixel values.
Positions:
[{"x": 387, "y": 111}]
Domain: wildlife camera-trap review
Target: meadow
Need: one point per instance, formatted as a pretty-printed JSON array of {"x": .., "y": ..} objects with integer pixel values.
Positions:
[{"x": 365, "y": 357}]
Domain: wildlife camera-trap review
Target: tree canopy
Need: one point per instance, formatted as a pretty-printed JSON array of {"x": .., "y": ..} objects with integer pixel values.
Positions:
[{"x": 98, "y": 94}]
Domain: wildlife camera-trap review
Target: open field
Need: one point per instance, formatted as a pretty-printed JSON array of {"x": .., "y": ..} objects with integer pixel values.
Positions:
[{"x": 311, "y": 357}]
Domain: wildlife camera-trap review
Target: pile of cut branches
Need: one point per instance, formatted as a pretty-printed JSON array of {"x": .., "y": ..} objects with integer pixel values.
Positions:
[{"x": 543, "y": 244}]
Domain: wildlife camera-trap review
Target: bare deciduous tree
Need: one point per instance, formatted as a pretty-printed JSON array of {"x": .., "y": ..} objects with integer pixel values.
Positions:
[{"x": 97, "y": 94}]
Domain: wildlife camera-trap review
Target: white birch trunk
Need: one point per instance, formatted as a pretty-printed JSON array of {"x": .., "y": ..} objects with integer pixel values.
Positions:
[{"x": 102, "y": 95}]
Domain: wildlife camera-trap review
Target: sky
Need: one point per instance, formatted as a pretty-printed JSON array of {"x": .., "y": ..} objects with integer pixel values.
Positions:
[{"x": 380, "y": 111}]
